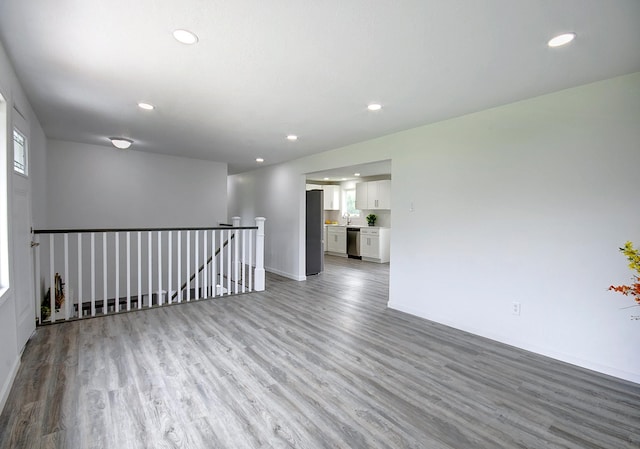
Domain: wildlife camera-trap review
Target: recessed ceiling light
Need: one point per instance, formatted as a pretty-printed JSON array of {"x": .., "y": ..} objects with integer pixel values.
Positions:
[
  {"x": 561, "y": 39},
  {"x": 121, "y": 142},
  {"x": 185, "y": 37},
  {"x": 374, "y": 107},
  {"x": 146, "y": 106},
  {"x": 326, "y": 179},
  {"x": 356, "y": 174},
  {"x": 343, "y": 179},
  {"x": 292, "y": 137},
  {"x": 259, "y": 160}
]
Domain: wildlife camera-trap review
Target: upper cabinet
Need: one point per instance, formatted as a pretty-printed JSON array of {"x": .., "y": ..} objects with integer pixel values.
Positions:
[
  {"x": 362, "y": 196},
  {"x": 373, "y": 195},
  {"x": 331, "y": 197}
]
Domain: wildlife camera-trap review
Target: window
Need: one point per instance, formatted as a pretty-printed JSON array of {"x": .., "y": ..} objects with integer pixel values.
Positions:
[
  {"x": 349, "y": 202},
  {"x": 19, "y": 152}
]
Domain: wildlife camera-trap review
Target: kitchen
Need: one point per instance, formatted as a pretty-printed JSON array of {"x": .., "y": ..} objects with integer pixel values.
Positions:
[{"x": 349, "y": 214}]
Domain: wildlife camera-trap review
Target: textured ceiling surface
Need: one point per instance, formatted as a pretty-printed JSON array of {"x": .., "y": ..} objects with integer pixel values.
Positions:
[{"x": 265, "y": 69}]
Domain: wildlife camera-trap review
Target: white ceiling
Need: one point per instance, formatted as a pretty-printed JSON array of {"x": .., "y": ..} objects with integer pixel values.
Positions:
[{"x": 265, "y": 69}]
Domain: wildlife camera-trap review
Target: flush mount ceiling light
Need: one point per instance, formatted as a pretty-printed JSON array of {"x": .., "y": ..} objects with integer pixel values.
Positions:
[
  {"x": 374, "y": 107},
  {"x": 146, "y": 106},
  {"x": 121, "y": 142},
  {"x": 259, "y": 160},
  {"x": 561, "y": 39},
  {"x": 356, "y": 174},
  {"x": 292, "y": 137},
  {"x": 185, "y": 37}
]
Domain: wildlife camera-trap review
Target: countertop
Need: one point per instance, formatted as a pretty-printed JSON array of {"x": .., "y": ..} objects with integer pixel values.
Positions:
[{"x": 354, "y": 226}]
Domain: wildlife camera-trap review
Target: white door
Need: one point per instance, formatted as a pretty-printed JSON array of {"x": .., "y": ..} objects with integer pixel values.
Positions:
[{"x": 21, "y": 233}]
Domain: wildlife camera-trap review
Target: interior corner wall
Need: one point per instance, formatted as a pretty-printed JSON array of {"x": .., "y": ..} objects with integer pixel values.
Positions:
[
  {"x": 523, "y": 203},
  {"x": 273, "y": 193},
  {"x": 90, "y": 186}
]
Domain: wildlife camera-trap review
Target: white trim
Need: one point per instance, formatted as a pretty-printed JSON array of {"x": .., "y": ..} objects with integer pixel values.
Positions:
[
  {"x": 6, "y": 388},
  {"x": 286, "y": 275},
  {"x": 525, "y": 346}
]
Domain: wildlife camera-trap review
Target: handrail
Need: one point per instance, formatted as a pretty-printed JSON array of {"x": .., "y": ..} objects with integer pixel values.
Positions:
[{"x": 98, "y": 230}]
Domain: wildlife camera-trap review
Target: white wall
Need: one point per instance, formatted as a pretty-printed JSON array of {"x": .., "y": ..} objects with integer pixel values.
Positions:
[
  {"x": 91, "y": 186},
  {"x": 276, "y": 193},
  {"x": 527, "y": 202}
]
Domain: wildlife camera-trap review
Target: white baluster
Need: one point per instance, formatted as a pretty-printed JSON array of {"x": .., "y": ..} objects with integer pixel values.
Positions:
[
  {"x": 221, "y": 262},
  {"x": 236, "y": 259},
  {"x": 188, "y": 266},
  {"x": 52, "y": 288},
  {"x": 128, "y": 271},
  {"x": 244, "y": 261},
  {"x": 160, "y": 268},
  {"x": 105, "y": 309},
  {"x": 214, "y": 278},
  {"x": 196, "y": 266},
  {"x": 229, "y": 254},
  {"x": 139, "y": 270},
  {"x": 80, "y": 275},
  {"x": 116, "y": 300},
  {"x": 150, "y": 267},
  {"x": 37, "y": 289},
  {"x": 66, "y": 277},
  {"x": 179, "y": 266},
  {"x": 169, "y": 265},
  {"x": 250, "y": 267},
  {"x": 205, "y": 286},
  {"x": 93, "y": 274}
]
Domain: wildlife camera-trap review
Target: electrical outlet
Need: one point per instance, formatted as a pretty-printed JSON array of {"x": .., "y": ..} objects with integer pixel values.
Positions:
[{"x": 515, "y": 308}]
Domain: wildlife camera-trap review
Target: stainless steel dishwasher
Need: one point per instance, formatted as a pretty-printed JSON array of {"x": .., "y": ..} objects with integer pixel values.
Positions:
[{"x": 353, "y": 243}]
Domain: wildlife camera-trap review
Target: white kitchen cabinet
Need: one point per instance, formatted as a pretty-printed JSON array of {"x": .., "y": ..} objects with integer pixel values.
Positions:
[
  {"x": 373, "y": 195},
  {"x": 382, "y": 199},
  {"x": 375, "y": 244},
  {"x": 331, "y": 197},
  {"x": 362, "y": 196},
  {"x": 325, "y": 239},
  {"x": 337, "y": 240},
  {"x": 314, "y": 187}
]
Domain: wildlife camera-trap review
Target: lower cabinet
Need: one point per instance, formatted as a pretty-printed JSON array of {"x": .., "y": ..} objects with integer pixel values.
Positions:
[
  {"x": 375, "y": 244},
  {"x": 337, "y": 240},
  {"x": 325, "y": 239}
]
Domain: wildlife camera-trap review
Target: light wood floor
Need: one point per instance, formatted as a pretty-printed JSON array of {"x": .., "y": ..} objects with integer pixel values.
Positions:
[{"x": 315, "y": 364}]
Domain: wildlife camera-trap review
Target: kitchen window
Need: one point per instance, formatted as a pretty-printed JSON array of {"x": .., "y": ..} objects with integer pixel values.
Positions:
[{"x": 349, "y": 201}]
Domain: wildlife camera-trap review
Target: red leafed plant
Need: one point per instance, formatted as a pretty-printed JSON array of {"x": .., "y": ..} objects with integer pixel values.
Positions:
[{"x": 633, "y": 290}]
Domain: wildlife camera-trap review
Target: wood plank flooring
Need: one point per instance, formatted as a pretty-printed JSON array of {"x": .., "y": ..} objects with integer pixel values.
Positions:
[{"x": 315, "y": 364}]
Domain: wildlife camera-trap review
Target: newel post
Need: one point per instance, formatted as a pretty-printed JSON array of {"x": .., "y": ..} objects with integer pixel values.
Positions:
[
  {"x": 237, "y": 267},
  {"x": 259, "y": 273}
]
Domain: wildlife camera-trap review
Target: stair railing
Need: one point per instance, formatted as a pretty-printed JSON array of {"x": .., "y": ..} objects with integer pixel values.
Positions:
[{"x": 102, "y": 271}]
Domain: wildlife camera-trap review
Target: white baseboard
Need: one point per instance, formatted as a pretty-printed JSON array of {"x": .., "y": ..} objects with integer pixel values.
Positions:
[
  {"x": 527, "y": 346},
  {"x": 287, "y": 275},
  {"x": 6, "y": 388}
]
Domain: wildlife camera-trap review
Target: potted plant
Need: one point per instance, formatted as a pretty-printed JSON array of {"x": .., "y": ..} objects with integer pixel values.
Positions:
[
  {"x": 633, "y": 256},
  {"x": 371, "y": 219}
]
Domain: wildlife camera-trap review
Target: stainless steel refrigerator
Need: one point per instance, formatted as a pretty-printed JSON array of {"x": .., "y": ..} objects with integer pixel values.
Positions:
[{"x": 315, "y": 232}]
